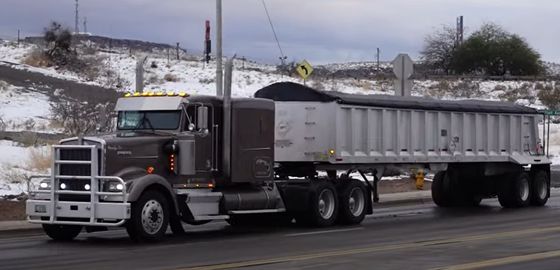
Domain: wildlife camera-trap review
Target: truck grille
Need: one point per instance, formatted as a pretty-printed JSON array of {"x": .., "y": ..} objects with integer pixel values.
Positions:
[{"x": 76, "y": 170}]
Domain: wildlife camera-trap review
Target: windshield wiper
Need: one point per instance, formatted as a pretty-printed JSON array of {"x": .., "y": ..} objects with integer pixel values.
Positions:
[{"x": 141, "y": 124}]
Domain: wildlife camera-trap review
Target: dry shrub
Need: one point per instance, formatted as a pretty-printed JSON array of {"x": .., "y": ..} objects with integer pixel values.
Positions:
[
  {"x": 40, "y": 159},
  {"x": 13, "y": 175},
  {"x": 170, "y": 77},
  {"x": 28, "y": 139},
  {"x": 37, "y": 58}
]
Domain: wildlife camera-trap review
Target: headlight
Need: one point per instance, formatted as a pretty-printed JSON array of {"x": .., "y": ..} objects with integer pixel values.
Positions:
[
  {"x": 45, "y": 185},
  {"x": 113, "y": 186}
]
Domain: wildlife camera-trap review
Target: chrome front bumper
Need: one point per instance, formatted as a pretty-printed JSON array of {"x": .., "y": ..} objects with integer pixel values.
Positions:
[{"x": 45, "y": 207}]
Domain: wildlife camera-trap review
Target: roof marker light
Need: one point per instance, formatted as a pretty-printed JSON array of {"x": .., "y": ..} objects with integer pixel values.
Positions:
[
  {"x": 136, "y": 94},
  {"x": 127, "y": 95}
]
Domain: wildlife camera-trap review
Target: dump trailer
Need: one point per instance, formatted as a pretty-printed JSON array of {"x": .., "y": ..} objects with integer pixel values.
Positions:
[{"x": 288, "y": 153}]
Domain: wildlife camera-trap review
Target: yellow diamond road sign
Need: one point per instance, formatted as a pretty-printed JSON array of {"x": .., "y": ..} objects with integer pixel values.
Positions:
[{"x": 304, "y": 69}]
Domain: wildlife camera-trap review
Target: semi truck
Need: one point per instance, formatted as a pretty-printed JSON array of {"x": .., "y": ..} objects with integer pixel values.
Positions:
[{"x": 289, "y": 153}]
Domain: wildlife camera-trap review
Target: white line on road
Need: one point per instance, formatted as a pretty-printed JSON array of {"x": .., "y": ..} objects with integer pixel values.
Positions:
[{"x": 323, "y": 232}]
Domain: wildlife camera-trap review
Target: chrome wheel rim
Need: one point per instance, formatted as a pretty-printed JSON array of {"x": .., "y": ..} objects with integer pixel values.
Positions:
[
  {"x": 152, "y": 217},
  {"x": 356, "y": 201},
  {"x": 524, "y": 189},
  {"x": 326, "y": 203}
]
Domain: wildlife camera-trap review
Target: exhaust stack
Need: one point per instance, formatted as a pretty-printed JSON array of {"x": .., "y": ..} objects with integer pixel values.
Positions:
[{"x": 227, "y": 119}]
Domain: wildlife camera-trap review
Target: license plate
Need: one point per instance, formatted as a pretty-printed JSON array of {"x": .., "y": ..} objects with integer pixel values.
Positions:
[{"x": 39, "y": 208}]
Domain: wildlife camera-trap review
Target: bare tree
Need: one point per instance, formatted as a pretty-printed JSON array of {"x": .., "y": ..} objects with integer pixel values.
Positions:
[
  {"x": 82, "y": 118},
  {"x": 439, "y": 48}
]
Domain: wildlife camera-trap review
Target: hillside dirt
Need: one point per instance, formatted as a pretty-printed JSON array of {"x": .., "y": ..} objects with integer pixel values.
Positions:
[
  {"x": 48, "y": 85},
  {"x": 12, "y": 210}
]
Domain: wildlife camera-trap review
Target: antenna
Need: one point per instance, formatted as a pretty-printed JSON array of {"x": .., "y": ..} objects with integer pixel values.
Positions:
[{"x": 77, "y": 20}]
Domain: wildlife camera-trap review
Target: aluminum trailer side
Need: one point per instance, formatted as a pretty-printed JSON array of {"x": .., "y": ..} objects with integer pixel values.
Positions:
[{"x": 478, "y": 148}]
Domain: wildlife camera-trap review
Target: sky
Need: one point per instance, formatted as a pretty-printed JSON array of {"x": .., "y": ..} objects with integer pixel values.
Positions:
[{"x": 321, "y": 31}]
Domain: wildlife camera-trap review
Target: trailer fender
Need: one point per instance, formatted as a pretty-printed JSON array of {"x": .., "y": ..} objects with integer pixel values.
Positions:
[{"x": 150, "y": 180}]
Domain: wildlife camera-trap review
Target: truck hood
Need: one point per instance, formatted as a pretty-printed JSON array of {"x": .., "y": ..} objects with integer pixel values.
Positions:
[{"x": 123, "y": 153}]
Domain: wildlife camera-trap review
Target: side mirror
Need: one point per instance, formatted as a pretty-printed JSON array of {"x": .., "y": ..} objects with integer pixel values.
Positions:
[{"x": 202, "y": 118}]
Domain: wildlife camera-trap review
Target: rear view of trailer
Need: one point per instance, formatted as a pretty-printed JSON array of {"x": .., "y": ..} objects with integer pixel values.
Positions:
[{"x": 487, "y": 142}]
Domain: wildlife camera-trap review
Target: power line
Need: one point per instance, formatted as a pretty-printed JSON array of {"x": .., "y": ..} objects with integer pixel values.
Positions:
[{"x": 282, "y": 57}]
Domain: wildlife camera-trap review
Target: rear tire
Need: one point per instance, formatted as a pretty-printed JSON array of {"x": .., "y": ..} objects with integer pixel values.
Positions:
[
  {"x": 515, "y": 191},
  {"x": 323, "y": 205},
  {"x": 352, "y": 196},
  {"x": 149, "y": 218},
  {"x": 441, "y": 189},
  {"x": 540, "y": 188},
  {"x": 62, "y": 232}
]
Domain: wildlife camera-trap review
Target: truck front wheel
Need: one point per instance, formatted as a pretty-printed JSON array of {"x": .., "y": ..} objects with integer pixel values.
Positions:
[
  {"x": 149, "y": 218},
  {"x": 62, "y": 232}
]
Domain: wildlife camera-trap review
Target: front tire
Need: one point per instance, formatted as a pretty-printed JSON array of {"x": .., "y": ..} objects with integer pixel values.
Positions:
[
  {"x": 62, "y": 232},
  {"x": 352, "y": 200},
  {"x": 540, "y": 188},
  {"x": 149, "y": 218}
]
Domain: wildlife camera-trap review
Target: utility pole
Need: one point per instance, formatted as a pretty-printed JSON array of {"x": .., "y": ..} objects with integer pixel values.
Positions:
[
  {"x": 177, "y": 50},
  {"x": 460, "y": 31},
  {"x": 18, "y": 39},
  {"x": 77, "y": 20},
  {"x": 377, "y": 56},
  {"x": 219, "y": 71},
  {"x": 85, "y": 24}
]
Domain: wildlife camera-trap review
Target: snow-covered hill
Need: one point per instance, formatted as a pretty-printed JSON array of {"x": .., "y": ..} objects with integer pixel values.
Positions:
[{"x": 25, "y": 109}]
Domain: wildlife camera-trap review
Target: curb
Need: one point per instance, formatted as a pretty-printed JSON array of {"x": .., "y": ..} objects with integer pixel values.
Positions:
[
  {"x": 18, "y": 225},
  {"x": 413, "y": 197}
]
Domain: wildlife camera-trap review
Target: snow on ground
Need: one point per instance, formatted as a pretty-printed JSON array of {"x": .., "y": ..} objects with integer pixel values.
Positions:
[
  {"x": 23, "y": 109},
  {"x": 14, "y": 161}
]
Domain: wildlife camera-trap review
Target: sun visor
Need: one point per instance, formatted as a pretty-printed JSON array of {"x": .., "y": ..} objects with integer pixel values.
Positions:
[{"x": 149, "y": 104}]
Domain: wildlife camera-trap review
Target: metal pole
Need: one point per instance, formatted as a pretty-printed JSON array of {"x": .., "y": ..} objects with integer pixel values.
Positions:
[
  {"x": 227, "y": 119},
  {"x": 219, "y": 71},
  {"x": 544, "y": 142},
  {"x": 177, "y": 50},
  {"x": 548, "y": 137},
  {"x": 18, "y": 36}
]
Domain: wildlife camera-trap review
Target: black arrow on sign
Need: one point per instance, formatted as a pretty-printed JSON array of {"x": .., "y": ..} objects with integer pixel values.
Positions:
[{"x": 305, "y": 69}]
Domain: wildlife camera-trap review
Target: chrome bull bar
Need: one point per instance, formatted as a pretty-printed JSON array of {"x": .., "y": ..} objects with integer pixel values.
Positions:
[{"x": 95, "y": 212}]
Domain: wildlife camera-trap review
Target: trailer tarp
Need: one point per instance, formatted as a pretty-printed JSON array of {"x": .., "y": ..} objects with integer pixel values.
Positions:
[{"x": 289, "y": 91}]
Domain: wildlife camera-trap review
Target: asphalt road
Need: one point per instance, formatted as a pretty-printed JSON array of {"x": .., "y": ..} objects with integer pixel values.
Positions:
[{"x": 404, "y": 237}]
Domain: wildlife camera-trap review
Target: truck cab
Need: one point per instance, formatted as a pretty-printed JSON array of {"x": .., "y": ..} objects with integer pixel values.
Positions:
[{"x": 164, "y": 164}]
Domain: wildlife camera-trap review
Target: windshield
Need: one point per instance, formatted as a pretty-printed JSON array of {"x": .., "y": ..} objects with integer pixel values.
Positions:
[{"x": 152, "y": 120}]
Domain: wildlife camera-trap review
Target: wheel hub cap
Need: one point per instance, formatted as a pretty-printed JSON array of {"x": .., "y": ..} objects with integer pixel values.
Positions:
[{"x": 152, "y": 217}]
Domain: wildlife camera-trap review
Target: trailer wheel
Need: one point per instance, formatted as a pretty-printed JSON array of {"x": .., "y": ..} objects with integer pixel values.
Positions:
[
  {"x": 149, "y": 218},
  {"x": 441, "y": 189},
  {"x": 62, "y": 232},
  {"x": 540, "y": 188},
  {"x": 352, "y": 197},
  {"x": 515, "y": 191},
  {"x": 323, "y": 205}
]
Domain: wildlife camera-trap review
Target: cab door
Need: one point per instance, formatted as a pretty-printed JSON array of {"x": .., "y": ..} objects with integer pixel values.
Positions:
[{"x": 205, "y": 151}]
